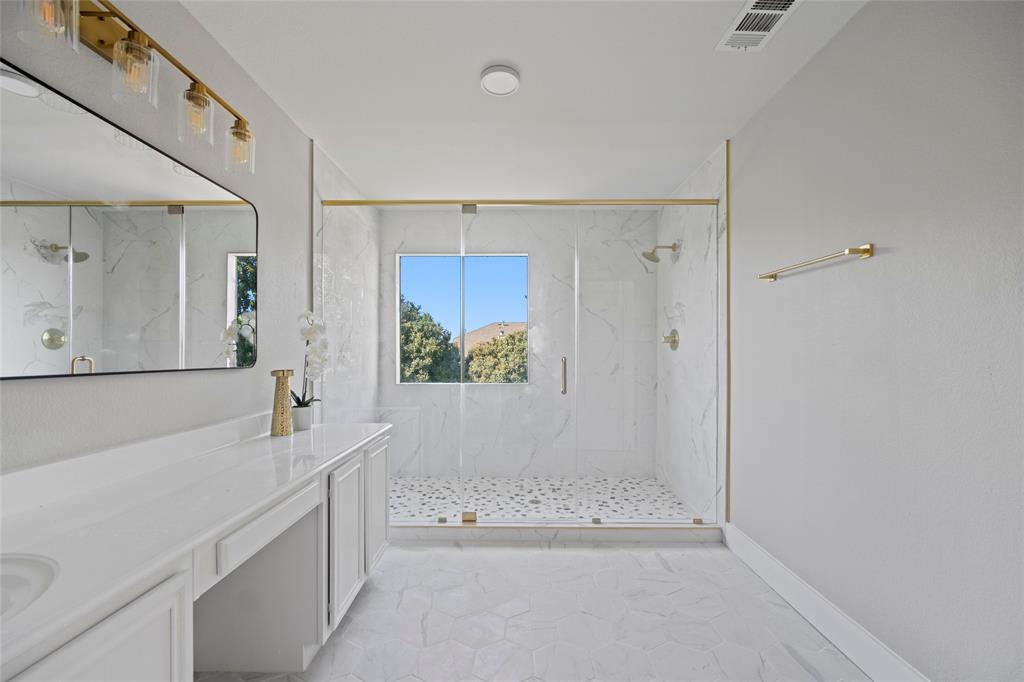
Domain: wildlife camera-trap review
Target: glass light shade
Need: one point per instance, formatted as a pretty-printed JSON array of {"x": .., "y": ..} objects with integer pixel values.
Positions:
[
  {"x": 195, "y": 116},
  {"x": 135, "y": 69},
  {"x": 48, "y": 23},
  {"x": 240, "y": 150}
]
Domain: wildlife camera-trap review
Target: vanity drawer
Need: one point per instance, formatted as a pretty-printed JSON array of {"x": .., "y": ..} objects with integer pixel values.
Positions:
[
  {"x": 214, "y": 560},
  {"x": 255, "y": 535}
]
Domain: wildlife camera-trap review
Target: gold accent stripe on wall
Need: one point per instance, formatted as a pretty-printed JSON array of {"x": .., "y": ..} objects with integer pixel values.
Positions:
[
  {"x": 728, "y": 330},
  {"x": 520, "y": 202},
  {"x": 160, "y": 202}
]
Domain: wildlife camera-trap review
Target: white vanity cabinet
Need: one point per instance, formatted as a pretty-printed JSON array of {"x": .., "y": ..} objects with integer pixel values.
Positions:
[
  {"x": 345, "y": 538},
  {"x": 253, "y": 552},
  {"x": 147, "y": 640},
  {"x": 377, "y": 521}
]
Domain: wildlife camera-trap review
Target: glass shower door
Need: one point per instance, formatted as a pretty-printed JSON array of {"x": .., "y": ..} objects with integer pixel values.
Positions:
[
  {"x": 518, "y": 397},
  {"x": 647, "y": 407}
]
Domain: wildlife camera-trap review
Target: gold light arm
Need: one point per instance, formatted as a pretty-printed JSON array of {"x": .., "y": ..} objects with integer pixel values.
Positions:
[
  {"x": 101, "y": 36},
  {"x": 863, "y": 251}
]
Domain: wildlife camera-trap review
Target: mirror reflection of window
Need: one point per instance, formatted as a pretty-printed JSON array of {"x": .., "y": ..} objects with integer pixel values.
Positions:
[{"x": 241, "y": 305}]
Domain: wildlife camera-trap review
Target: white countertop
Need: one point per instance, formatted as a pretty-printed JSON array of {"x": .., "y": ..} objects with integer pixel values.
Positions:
[{"x": 109, "y": 535}]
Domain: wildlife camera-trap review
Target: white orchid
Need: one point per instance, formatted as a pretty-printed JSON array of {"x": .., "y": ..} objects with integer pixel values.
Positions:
[{"x": 313, "y": 331}]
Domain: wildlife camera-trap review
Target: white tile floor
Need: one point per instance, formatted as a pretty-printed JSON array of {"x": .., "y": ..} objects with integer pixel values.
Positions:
[
  {"x": 608, "y": 612},
  {"x": 536, "y": 499}
]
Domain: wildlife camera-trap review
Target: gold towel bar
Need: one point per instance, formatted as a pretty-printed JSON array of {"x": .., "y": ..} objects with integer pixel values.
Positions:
[{"x": 862, "y": 251}]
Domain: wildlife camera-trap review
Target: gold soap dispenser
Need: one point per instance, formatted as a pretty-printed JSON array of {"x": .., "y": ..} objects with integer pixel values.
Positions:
[{"x": 281, "y": 419}]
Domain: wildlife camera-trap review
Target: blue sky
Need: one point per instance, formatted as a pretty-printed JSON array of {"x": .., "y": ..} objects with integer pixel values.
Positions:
[{"x": 496, "y": 288}]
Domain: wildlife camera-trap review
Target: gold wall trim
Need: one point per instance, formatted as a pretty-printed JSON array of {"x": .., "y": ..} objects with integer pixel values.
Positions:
[
  {"x": 155, "y": 202},
  {"x": 607, "y": 526},
  {"x": 728, "y": 330},
  {"x": 520, "y": 202}
]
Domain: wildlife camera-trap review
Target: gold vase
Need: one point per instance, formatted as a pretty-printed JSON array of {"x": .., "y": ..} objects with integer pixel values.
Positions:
[{"x": 281, "y": 419}]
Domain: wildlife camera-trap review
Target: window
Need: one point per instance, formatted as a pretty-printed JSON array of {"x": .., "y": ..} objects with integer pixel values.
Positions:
[
  {"x": 490, "y": 291},
  {"x": 241, "y": 298}
]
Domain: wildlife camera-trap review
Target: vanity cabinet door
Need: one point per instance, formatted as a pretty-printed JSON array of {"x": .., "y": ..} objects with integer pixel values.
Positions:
[
  {"x": 377, "y": 468},
  {"x": 346, "y": 538},
  {"x": 149, "y": 639}
]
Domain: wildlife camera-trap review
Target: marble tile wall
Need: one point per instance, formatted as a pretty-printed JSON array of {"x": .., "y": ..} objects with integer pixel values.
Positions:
[
  {"x": 346, "y": 278},
  {"x": 617, "y": 342},
  {"x": 126, "y": 292},
  {"x": 516, "y": 430},
  {"x": 87, "y": 290},
  {"x": 533, "y": 430},
  {"x": 140, "y": 289},
  {"x": 210, "y": 235},
  {"x": 34, "y": 289},
  {"x": 426, "y": 441},
  {"x": 688, "y": 418}
]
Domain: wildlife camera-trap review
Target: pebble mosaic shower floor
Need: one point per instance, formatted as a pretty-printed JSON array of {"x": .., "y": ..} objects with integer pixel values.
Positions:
[{"x": 536, "y": 499}]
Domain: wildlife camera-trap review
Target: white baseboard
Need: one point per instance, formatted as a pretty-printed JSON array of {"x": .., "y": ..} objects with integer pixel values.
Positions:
[{"x": 868, "y": 652}]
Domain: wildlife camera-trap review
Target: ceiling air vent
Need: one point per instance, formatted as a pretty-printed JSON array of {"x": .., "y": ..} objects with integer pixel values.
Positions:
[{"x": 752, "y": 28}]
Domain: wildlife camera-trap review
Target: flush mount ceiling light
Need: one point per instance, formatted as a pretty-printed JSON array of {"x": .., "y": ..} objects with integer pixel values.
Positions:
[
  {"x": 17, "y": 84},
  {"x": 499, "y": 80}
]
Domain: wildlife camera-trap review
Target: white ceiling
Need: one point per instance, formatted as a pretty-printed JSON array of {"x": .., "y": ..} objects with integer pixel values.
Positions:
[{"x": 618, "y": 99}]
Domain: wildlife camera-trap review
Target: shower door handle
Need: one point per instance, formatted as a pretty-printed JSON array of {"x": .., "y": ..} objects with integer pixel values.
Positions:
[{"x": 565, "y": 375}]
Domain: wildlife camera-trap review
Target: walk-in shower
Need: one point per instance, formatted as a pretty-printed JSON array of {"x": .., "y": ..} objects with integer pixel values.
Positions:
[{"x": 518, "y": 350}]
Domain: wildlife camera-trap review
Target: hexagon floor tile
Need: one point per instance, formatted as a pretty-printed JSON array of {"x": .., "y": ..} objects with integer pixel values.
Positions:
[{"x": 577, "y": 612}]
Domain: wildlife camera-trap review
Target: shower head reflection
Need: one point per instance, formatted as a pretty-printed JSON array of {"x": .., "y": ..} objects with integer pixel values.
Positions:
[{"x": 652, "y": 255}]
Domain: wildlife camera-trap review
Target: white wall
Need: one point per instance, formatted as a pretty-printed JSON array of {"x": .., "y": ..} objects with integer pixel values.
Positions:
[
  {"x": 48, "y": 419},
  {"x": 877, "y": 404}
]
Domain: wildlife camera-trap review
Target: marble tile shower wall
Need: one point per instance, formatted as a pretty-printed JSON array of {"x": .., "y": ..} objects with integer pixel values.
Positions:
[
  {"x": 347, "y": 291},
  {"x": 517, "y": 430},
  {"x": 532, "y": 430},
  {"x": 140, "y": 289},
  {"x": 34, "y": 288},
  {"x": 125, "y": 303},
  {"x": 618, "y": 343},
  {"x": 210, "y": 235},
  {"x": 688, "y": 406},
  {"x": 346, "y": 264},
  {"x": 427, "y": 417}
]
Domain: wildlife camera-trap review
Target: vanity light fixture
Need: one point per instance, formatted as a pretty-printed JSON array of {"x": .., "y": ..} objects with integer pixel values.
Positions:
[
  {"x": 45, "y": 22},
  {"x": 135, "y": 57},
  {"x": 195, "y": 115},
  {"x": 17, "y": 84},
  {"x": 239, "y": 152},
  {"x": 499, "y": 80},
  {"x": 135, "y": 67}
]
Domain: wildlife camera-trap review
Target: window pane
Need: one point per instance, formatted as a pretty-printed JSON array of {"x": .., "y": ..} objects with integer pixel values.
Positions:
[
  {"x": 496, "y": 319},
  {"x": 428, "y": 319}
]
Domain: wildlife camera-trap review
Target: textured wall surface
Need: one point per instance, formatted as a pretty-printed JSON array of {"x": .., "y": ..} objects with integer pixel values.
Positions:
[
  {"x": 95, "y": 412},
  {"x": 346, "y": 264},
  {"x": 877, "y": 404}
]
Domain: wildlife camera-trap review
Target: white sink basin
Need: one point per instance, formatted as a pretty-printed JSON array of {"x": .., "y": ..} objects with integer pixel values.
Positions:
[{"x": 23, "y": 579}]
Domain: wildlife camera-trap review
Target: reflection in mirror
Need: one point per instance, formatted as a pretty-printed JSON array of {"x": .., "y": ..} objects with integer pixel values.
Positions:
[{"x": 115, "y": 257}]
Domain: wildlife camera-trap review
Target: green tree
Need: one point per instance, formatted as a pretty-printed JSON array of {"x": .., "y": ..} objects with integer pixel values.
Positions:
[
  {"x": 245, "y": 302},
  {"x": 427, "y": 353},
  {"x": 502, "y": 360}
]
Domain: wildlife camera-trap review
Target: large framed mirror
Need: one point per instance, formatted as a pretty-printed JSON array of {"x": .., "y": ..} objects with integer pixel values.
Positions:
[{"x": 116, "y": 258}]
